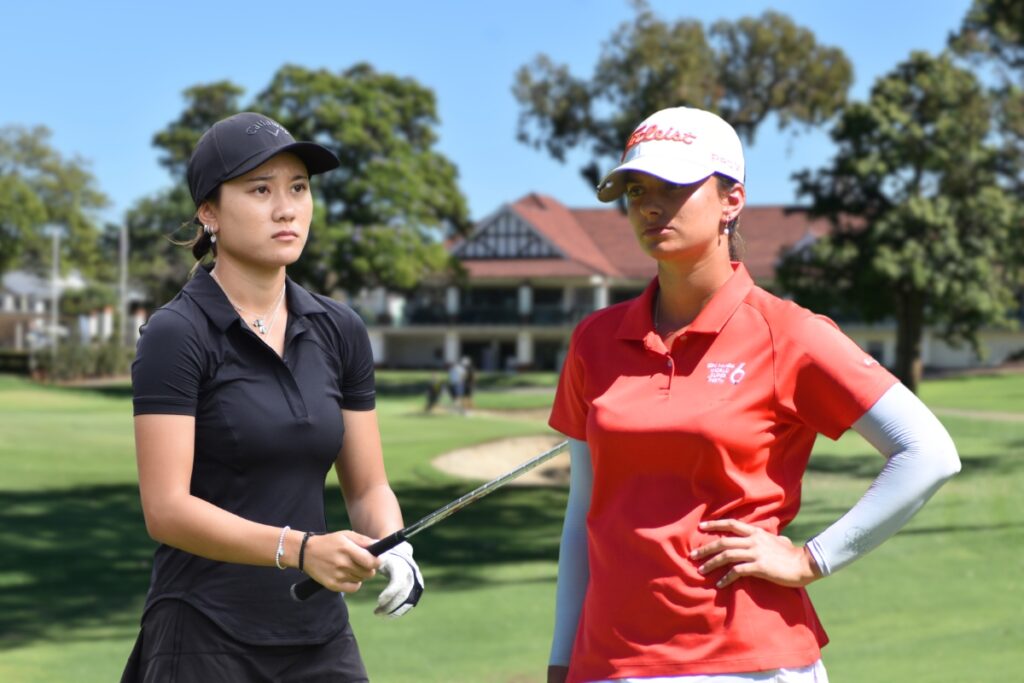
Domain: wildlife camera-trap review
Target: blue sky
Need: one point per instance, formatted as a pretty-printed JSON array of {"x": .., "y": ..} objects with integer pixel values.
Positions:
[{"x": 105, "y": 76}]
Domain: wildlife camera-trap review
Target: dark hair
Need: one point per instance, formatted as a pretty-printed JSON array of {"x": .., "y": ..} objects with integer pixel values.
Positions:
[
  {"x": 725, "y": 185},
  {"x": 201, "y": 244}
]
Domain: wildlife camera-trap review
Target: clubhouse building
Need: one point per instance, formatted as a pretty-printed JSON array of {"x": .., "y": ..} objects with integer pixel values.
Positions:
[{"x": 535, "y": 268}]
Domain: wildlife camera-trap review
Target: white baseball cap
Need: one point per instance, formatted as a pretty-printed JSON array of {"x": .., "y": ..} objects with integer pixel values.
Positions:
[{"x": 681, "y": 145}]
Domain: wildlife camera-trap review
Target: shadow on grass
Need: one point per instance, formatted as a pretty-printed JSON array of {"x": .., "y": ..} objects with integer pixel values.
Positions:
[
  {"x": 869, "y": 465},
  {"x": 74, "y": 560},
  {"x": 118, "y": 391},
  {"x": 512, "y": 525}
]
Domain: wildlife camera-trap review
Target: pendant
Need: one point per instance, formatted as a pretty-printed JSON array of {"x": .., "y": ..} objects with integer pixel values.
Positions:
[{"x": 260, "y": 325}]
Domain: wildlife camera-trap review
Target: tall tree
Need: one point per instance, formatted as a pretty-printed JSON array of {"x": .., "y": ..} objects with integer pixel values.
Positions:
[
  {"x": 993, "y": 28},
  {"x": 388, "y": 208},
  {"x": 205, "y": 105},
  {"x": 158, "y": 224},
  {"x": 21, "y": 214},
  {"x": 922, "y": 231},
  {"x": 746, "y": 71},
  {"x": 992, "y": 35},
  {"x": 39, "y": 187},
  {"x": 380, "y": 218}
]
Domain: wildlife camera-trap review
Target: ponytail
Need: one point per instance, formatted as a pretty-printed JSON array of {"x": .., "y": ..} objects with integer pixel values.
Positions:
[{"x": 201, "y": 244}]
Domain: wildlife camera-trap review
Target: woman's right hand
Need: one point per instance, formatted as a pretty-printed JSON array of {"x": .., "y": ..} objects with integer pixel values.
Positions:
[
  {"x": 557, "y": 674},
  {"x": 340, "y": 561}
]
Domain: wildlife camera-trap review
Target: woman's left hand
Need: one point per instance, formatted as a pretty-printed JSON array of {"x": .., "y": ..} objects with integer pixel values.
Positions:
[{"x": 752, "y": 551}]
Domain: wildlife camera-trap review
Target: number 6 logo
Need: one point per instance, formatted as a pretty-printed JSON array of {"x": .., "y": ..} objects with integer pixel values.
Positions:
[{"x": 737, "y": 375}]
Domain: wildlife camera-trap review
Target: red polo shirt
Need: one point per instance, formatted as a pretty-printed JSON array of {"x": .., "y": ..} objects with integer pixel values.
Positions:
[{"x": 719, "y": 427}]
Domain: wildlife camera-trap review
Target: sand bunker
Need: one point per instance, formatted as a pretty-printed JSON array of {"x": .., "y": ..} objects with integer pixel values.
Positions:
[{"x": 486, "y": 461}]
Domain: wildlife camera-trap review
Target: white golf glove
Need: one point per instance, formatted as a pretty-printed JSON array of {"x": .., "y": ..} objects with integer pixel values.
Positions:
[{"x": 405, "y": 583}]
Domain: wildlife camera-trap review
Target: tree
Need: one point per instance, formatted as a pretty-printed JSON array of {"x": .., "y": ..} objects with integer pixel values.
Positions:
[
  {"x": 21, "y": 214},
  {"x": 993, "y": 28},
  {"x": 745, "y": 71},
  {"x": 380, "y": 218},
  {"x": 157, "y": 227},
  {"x": 159, "y": 224},
  {"x": 38, "y": 187},
  {"x": 992, "y": 35},
  {"x": 922, "y": 230}
]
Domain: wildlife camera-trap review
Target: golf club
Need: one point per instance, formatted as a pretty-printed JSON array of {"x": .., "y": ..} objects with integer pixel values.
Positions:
[{"x": 308, "y": 587}]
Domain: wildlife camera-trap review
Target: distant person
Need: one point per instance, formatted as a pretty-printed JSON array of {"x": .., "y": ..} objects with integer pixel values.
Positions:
[
  {"x": 457, "y": 385},
  {"x": 247, "y": 390},
  {"x": 433, "y": 393},
  {"x": 691, "y": 412},
  {"x": 468, "y": 384}
]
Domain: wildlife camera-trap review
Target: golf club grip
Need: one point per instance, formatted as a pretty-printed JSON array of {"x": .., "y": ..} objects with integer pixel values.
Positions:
[
  {"x": 387, "y": 543},
  {"x": 307, "y": 588}
]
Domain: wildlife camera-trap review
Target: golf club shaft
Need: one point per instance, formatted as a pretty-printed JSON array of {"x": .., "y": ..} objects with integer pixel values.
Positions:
[{"x": 308, "y": 587}]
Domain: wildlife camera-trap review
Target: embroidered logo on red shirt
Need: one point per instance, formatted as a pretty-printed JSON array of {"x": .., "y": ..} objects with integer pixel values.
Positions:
[{"x": 718, "y": 373}]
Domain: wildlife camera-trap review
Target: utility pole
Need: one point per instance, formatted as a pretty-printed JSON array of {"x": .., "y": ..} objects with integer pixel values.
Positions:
[{"x": 54, "y": 291}]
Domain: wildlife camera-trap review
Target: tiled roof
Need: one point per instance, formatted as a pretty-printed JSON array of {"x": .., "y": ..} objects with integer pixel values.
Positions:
[
  {"x": 601, "y": 241},
  {"x": 559, "y": 226},
  {"x": 768, "y": 231}
]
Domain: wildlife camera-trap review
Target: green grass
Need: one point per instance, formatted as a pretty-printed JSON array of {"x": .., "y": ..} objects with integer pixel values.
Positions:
[
  {"x": 995, "y": 392},
  {"x": 940, "y": 602}
]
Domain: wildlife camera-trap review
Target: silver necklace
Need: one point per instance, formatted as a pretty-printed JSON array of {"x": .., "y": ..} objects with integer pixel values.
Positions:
[{"x": 260, "y": 321}]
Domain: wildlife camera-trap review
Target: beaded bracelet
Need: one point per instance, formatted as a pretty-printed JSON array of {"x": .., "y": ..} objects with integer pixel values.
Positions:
[{"x": 280, "y": 548}]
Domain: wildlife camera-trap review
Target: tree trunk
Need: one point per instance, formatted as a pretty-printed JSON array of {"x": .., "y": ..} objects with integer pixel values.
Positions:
[{"x": 909, "y": 330}]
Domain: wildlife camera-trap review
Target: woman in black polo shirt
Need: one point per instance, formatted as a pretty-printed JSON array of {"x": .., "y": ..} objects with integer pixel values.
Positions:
[{"x": 247, "y": 390}]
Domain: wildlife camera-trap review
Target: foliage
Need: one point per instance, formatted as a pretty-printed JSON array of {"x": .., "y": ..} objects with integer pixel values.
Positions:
[
  {"x": 77, "y": 359},
  {"x": 39, "y": 187},
  {"x": 992, "y": 35},
  {"x": 995, "y": 29},
  {"x": 746, "y": 71},
  {"x": 922, "y": 231},
  {"x": 205, "y": 105},
  {"x": 21, "y": 214},
  {"x": 91, "y": 298},
  {"x": 380, "y": 218},
  {"x": 157, "y": 228}
]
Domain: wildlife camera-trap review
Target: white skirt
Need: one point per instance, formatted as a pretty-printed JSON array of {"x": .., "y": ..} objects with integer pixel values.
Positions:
[{"x": 815, "y": 673}]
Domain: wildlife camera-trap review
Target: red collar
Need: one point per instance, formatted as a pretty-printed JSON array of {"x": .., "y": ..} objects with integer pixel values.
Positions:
[{"x": 637, "y": 322}]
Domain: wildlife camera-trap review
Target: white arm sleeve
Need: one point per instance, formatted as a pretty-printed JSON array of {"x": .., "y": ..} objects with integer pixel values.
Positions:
[
  {"x": 573, "y": 565},
  {"x": 921, "y": 457}
]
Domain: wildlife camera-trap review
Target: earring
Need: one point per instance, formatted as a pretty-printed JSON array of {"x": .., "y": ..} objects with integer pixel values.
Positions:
[
  {"x": 726, "y": 232},
  {"x": 213, "y": 238},
  {"x": 210, "y": 233},
  {"x": 207, "y": 229}
]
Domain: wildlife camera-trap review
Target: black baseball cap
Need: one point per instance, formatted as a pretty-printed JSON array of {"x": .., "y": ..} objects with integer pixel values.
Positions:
[{"x": 238, "y": 144}]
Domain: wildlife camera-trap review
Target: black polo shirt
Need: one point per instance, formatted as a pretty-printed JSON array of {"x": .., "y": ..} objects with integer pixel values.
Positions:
[{"x": 268, "y": 430}]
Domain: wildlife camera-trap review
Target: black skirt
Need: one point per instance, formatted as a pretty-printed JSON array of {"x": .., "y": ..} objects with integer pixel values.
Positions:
[{"x": 179, "y": 644}]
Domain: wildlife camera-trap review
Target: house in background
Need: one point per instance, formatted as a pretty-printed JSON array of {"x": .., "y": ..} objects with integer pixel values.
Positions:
[
  {"x": 26, "y": 305},
  {"x": 536, "y": 268}
]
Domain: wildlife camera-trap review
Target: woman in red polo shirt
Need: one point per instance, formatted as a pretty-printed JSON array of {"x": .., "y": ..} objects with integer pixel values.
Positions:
[{"x": 691, "y": 412}]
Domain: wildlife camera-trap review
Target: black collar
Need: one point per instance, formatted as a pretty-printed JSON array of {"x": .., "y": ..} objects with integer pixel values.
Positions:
[{"x": 208, "y": 295}]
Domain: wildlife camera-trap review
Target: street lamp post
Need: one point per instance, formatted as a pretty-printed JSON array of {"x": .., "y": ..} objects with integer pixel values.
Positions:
[
  {"x": 122, "y": 331},
  {"x": 54, "y": 231}
]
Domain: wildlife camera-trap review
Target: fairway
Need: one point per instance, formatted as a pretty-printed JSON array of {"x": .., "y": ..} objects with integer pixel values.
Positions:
[{"x": 940, "y": 602}]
